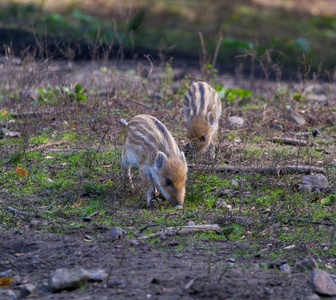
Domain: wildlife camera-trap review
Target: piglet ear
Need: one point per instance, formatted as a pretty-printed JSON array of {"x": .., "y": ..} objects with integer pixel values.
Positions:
[
  {"x": 160, "y": 160},
  {"x": 210, "y": 118}
]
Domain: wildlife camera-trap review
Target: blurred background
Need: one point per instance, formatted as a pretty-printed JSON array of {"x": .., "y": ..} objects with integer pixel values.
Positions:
[{"x": 293, "y": 35}]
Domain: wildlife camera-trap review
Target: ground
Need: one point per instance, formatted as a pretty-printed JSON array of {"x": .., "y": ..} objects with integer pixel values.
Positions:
[{"x": 70, "y": 147}]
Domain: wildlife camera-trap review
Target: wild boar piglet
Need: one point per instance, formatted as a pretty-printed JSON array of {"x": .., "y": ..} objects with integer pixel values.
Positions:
[
  {"x": 202, "y": 109},
  {"x": 150, "y": 146}
]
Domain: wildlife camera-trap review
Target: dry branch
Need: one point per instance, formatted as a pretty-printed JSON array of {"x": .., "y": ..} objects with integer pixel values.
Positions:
[
  {"x": 154, "y": 225},
  {"x": 293, "y": 142},
  {"x": 262, "y": 170},
  {"x": 90, "y": 217},
  {"x": 310, "y": 222},
  {"x": 15, "y": 211},
  {"x": 29, "y": 115},
  {"x": 46, "y": 146},
  {"x": 183, "y": 230}
]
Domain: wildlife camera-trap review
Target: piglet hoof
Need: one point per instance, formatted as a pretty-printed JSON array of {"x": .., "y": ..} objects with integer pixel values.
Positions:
[{"x": 151, "y": 204}]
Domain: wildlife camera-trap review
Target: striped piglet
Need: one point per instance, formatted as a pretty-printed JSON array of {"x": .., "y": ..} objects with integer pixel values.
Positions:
[
  {"x": 202, "y": 109},
  {"x": 149, "y": 145}
]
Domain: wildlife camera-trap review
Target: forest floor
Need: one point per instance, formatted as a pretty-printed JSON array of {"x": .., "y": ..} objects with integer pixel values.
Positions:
[{"x": 60, "y": 148}]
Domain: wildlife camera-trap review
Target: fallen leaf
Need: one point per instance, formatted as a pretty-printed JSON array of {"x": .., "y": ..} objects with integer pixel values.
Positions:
[
  {"x": 289, "y": 247},
  {"x": 3, "y": 112},
  {"x": 73, "y": 123},
  {"x": 48, "y": 179},
  {"x": 20, "y": 171},
  {"x": 87, "y": 238},
  {"x": 78, "y": 203},
  {"x": 5, "y": 282},
  {"x": 18, "y": 254}
]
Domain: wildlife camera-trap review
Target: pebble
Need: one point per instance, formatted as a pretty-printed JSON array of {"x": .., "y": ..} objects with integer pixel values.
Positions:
[
  {"x": 313, "y": 180},
  {"x": 235, "y": 122},
  {"x": 64, "y": 279},
  {"x": 117, "y": 233},
  {"x": 276, "y": 264},
  {"x": 286, "y": 268},
  {"x": 323, "y": 283},
  {"x": 306, "y": 264},
  {"x": 26, "y": 289}
]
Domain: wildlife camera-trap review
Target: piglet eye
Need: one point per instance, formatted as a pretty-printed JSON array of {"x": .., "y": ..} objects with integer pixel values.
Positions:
[
  {"x": 168, "y": 182},
  {"x": 202, "y": 139}
]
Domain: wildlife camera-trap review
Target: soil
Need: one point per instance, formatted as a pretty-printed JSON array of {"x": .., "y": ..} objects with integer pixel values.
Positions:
[{"x": 145, "y": 271}]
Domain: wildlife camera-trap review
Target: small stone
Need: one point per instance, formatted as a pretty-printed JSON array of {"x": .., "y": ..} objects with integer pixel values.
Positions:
[
  {"x": 231, "y": 260},
  {"x": 323, "y": 283},
  {"x": 26, "y": 289},
  {"x": 6, "y": 294},
  {"x": 234, "y": 182},
  {"x": 68, "y": 279},
  {"x": 235, "y": 122},
  {"x": 313, "y": 297},
  {"x": 133, "y": 242},
  {"x": 315, "y": 180},
  {"x": 13, "y": 134},
  {"x": 307, "y": 264},
  {"x": 293, "y": 116},
  {"x": 220, "y": 203},
  {"x": 276, "y": 264},
  {"x": 191, "y": 223},
  {"x": 7, "y": 273},
  {"x": 34, "y": 224},
  {"x": 305, "y": 188},
  {"x": 97, "y": 275},
  {"x": 16, "y": 280},
  {"x": 286, "y": 268},
  {"x": 117, "y": 233}
]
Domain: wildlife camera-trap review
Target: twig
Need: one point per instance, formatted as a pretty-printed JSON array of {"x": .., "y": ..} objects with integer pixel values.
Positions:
[
  {"x": 184, "y": 229},
  {"x": 292, "y": 142},
  {"x": 46, "y": 146},
  {"x": 140, "y": 104},
  {"x": 214, "y": 60},
  {"x": 90, "y": 217},
  {"x": 153, "y": 225},
  {"x": 151, "y": 64},
  {"x": 15, "y": 211},
  {"x": 190, "y": 283},
  {"x": 29, "y": 114},
  {"x": 311, "y": 222},
  {"x": 266, "y": 170}
]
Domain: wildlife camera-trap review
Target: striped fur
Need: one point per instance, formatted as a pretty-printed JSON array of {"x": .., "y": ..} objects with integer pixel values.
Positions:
[
  {"x": 150, "y": 146},
  {"x": 202, "y": 109}
]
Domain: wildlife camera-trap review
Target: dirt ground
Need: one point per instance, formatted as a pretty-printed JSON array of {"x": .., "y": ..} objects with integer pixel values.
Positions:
[{"x": 145, "y": 272}]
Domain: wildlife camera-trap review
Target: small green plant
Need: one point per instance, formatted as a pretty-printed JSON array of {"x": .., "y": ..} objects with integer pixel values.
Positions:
[
  {"x": 232, "y": 94},
  {"x": 52, "y": 96}
]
